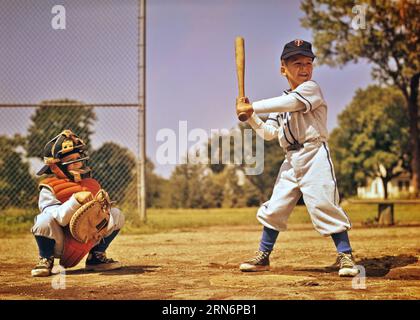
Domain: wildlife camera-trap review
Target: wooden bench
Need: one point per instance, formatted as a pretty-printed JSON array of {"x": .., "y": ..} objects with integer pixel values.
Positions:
[{"x": 385, "y": 208}]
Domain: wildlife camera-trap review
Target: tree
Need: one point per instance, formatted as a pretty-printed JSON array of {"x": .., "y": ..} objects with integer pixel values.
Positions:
[
  {"x": 17, "y": 187},
  {"x": 187, "y": 187},
  {"x": 233, "y": 195},
  {"x": 52, "y": 117},
  {"x": 273, "y": 157},
  {"x": 158, "y": 192},
  {"x": 114, "y": 167},
  {"x": 179, "y": 185},
  {"x": 157, "y": 188},
  {"x": 345, "y": 167},
  {"x": 214, "y": 190},
  {"x": 372, "y": 137},
  {"x": 388, "y": 38}
]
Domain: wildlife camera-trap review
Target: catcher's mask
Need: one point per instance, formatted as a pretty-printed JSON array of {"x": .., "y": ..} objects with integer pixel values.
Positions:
[{"x": 60, "y": 146}]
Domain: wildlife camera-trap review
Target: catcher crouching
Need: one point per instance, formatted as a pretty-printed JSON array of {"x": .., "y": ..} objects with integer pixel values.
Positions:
[{"x": 77, "y": 217}]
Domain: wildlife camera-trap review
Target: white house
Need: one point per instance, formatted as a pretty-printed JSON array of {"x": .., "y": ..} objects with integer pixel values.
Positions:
[{"x": 398, "y": 187}]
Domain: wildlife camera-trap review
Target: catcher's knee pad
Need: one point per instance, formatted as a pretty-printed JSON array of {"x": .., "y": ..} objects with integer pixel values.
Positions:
[{"x": 74, "y": 251}]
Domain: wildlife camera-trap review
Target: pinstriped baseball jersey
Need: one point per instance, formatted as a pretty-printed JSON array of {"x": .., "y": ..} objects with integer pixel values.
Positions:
[
  {"x": 299, "y": 118},
  {"x": 295, "y": 117}
]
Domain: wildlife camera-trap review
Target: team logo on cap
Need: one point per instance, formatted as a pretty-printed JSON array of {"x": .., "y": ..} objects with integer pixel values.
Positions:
[{"x": 298, "y": 42}]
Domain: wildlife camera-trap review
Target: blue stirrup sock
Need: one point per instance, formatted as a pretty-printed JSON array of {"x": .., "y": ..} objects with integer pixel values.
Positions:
[
  {"x": 105, "y": 242},
  {"x": 268, "y": 239},
  {"x": 342, "y": 242},
  {"x": 45, "y": 246}
]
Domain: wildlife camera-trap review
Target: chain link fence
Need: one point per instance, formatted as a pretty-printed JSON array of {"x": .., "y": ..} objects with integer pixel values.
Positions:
[
  {"x": 110, "y": 130},
  {"x": 64, "y": 59}
]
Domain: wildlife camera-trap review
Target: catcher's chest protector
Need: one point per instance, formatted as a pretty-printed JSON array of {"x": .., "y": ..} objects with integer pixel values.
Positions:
[
  {"x": 64, "y": 188},
  {"x": 74, "y": 251}
]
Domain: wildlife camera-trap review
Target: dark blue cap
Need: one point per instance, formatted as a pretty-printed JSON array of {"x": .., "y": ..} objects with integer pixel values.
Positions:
[{"x": 296, "y": 47}]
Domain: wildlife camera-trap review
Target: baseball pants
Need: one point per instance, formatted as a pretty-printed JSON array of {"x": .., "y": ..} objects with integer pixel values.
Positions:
[
  {"x": 308, "y": 172},
  {"x": 46, "y": 226}
]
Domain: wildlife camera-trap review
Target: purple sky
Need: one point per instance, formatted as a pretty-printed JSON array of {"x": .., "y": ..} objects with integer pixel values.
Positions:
[{"x": 190, "y": 61}]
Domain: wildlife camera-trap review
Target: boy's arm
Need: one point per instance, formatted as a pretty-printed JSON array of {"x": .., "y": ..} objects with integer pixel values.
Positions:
[
  {"x": 264, "y": 130},
  {"x": 62, "y": 212},
  {"x": 278, "y": 104},
  {"x": 306, "y": 97}
]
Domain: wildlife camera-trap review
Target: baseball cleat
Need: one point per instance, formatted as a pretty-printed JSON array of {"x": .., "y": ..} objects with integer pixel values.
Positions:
[
  {"x": 260, "y": 263},
  {"x": 43, "y": 268},
  {"x": 346, "y": 265},
  {"x": 97, "y": 261}
]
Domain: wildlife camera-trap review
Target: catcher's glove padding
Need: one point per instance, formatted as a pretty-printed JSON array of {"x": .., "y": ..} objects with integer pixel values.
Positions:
[{"x": 90, "y": 221}]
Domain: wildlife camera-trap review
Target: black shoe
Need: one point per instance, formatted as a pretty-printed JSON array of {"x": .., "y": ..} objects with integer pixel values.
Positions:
[
  {"x": 44, "y": 267},
  {"x": 97, "y": 261},
  {"x": 260, "y": 263}
]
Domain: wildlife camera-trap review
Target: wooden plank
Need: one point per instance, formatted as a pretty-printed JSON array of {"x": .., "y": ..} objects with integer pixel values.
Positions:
[{"x": 378, "y": 201}]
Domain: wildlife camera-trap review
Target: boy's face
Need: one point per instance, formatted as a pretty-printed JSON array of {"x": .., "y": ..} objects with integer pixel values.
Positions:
[
  {"x": 74, "y": 165},
  {"x": 297, "y": 69}
]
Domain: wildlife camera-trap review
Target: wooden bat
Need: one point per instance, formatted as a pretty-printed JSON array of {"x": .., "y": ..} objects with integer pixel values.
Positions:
[{"x": 240, "y": 71}]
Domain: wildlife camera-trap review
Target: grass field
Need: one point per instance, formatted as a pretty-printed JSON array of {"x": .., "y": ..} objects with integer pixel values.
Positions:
[{"x": 19, "y": 221}]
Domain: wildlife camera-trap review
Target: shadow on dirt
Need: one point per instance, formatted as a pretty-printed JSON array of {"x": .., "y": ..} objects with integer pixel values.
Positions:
[
  {"x": 374, "y": 267},
  {"x": 125, "y": 270},
  {"x": 380, "y": 267}
]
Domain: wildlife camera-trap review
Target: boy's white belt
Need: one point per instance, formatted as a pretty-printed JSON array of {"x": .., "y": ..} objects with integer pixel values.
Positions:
[{"x": 297, "y": 146}]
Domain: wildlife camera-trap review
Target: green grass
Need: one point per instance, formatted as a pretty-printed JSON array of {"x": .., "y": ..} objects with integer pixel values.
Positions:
[
  {"x": 14, "y": 222},
  {"x": 160, "y": 220},
  {"x": 402, "y": 212}
]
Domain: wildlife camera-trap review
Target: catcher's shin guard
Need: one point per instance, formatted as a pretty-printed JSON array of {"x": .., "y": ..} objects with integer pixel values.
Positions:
[{"x": 74, "y": 251}]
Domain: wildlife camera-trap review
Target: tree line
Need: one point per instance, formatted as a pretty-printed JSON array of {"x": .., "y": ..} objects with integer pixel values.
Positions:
[
  {"x": 377, "y": 134},
  {"x": 372, "y": 140}
]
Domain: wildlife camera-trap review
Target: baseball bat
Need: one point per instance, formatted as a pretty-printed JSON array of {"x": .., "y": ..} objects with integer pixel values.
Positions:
[{"x": 240, "y": 71}]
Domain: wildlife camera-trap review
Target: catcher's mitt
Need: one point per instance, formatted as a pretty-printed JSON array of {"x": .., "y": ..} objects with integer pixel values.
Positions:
[{"x": 90, "y": 221}]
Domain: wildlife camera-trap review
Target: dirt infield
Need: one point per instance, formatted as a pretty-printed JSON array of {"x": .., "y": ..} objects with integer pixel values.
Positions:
[{"x": 203, "y": 264}]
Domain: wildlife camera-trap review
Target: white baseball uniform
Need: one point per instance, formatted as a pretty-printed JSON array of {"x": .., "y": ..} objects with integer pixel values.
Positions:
[
  {"x": 56, "y": 215},
  {"x": 298, "y": 119}
]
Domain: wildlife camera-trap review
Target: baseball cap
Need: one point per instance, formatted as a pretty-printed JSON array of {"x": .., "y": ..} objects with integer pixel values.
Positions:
[{"x": 297, "y": 46}]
